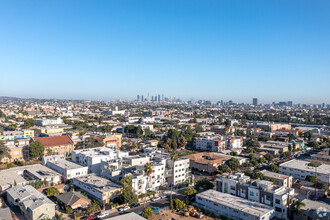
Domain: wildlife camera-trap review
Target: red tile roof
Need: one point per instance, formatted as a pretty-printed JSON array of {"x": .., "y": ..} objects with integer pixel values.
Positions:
[{"x": 54, "y": 141}]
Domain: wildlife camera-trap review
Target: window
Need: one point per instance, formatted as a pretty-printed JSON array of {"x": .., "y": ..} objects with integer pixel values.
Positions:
[
  {"x": 277, "y": 201},
  {"x": 251, "y": 193},
  {"x": 277, "y": 209}
]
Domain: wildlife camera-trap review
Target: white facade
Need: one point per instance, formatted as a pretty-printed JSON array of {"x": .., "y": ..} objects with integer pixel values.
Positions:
[
  {"x": 67, "y": 169},
  {"x": 211, "y": 144},
  {"x": 181, "y": 170},
  {"x": 233, "y": 206},
  {"x": 299, "y": 169},
  {"x": 44, "y": 121},
  {"x": 92, "y": 157}
]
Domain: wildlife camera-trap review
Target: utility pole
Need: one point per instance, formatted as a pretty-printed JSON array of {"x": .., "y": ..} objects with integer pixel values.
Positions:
[{"x": 315, "y": 182}]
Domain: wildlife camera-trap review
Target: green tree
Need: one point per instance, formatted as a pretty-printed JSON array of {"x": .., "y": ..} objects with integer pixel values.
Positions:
[
  {"x": 52, "y": 191},
  {"x": 308, "y": 135},
  {"x": 68, "y": 210},
  {"x": 128, "y": 195},
  {"x": 198, "y": 128},
  {"x": 269, "y": 157},
  {"x": 189, "y": 192},
  {"x": 147, "y": 212},
  {"x": 233, "y": 163},
  {"x": 273, "y": 167},
  {"x": 28, "y": 123},
  {"x": 93, "y": 208},
  {"x": 203, "y": 184},
  {"x": 12, "y": 127},
  {"x": 4, "y": 151},
  {"x": 36, "y": 149},
  {"x": 173, "y": 134},
  {"x": 223, "y": 168},
  {"x": 313, "y": 144},
  {"x": 311, "y": 164},
  {"x": 148, "y": 170},
  {"x": 178, "y": 204}
]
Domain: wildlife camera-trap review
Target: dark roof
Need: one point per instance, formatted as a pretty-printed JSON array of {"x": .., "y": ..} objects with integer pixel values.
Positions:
[
  {"x": 70, "y": 198},
  {"x": 55, "y": 141}
]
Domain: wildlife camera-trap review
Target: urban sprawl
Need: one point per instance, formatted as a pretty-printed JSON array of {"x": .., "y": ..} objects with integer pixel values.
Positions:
[{"x": 157, "y": 157}]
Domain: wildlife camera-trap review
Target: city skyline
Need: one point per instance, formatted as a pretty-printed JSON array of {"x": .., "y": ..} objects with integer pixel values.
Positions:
[{"x": 202, "y": 50}]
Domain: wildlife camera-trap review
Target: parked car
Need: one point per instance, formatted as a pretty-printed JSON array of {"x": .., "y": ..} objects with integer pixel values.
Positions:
[
  {"x": 155, "y": 199},
  {"x": 103, "y": 214},
  {"x": 124, "y": 208},
  {"x": 135, "y": 205},
  {"x": 90, "y": 217},
  {"x": 155, "y": 209}
]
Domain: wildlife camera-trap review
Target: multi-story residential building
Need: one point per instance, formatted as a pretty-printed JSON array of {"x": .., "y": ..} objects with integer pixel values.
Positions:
[
  {"x": 45, "y": 121},
  {"x": 212, "y": 144},
  {"x": 178, "y": 172},
  {"x": 218, "y": 143},
  {"x": 66, "y": 168},
  {"x": 101, "y": 189},
  {"x": 92, "y": 157},
  {"x": 232, "y": 206},
  {"x": 32, "y": 203},
  {"x": 56, "y": 145},
  {"x": 264, "y": 192},
  {"x": 281, "y": 179},
  {"x": 12, "y": 135},
  {"x": 17, "y": 150},
  {"x": 299, "y": 169},
  {"x": 235, "y": 143},
  {"x": 50, "y": 131}
]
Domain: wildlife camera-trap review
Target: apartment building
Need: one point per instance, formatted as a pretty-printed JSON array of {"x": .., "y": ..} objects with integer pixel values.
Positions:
[
  {"x": 235, "y": 143},
  {"x": 100, "y": 189},
  {"x": 299, "y": 169},
  {"x": 56, "y": 145},
  {"x": 179, "y": 169},
  {"x": 93, "y": 157},
  {"x": 44, "y": 121},
  {"x": 17, "y": 150},
  {"x": 281, "y": 179},
  {"x": 233, "y": 207},
  {"x": 32, "y": 203},
  {"x": 66, "y": 168},
  {"x": 12, "y": 135},
  {"x": 213, "y": 144},
  {"x": 264, "y": 192}
]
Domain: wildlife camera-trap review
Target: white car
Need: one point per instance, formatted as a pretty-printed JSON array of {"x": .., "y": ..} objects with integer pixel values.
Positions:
[
  {"x": 155, "y": 199},
  {"x": 124, "y": 208},
  {"x": 103, "y": 214}
]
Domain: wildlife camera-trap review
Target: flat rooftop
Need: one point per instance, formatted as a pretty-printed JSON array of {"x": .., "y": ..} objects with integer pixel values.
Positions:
[
  {"x": 244, "y": 205},
  {"x": 303, "y": 165},
  {"x": 128, "y": 216},
  {"x": 99, "y": 183},
  {"x": 65, "y": 164},
  {"x": 274, "y": 175}
]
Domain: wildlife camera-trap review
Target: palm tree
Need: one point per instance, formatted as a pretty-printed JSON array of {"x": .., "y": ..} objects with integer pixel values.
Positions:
[
  {"x": 174, "y": 157},
  {"x": 296, "y": 206},
  {"x": 4, "y": 151},
  {"x": 148, "y": 170}
]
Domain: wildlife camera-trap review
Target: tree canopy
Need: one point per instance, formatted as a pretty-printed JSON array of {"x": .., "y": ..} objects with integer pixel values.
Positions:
[{"x": 36, "y": 149}]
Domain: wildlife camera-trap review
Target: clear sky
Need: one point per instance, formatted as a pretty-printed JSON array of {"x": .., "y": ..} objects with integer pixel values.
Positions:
[{"x": 276, "y": 50}]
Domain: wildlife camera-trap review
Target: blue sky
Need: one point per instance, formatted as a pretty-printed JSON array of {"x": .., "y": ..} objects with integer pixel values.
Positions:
[{"x": 202, "y": 49}]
